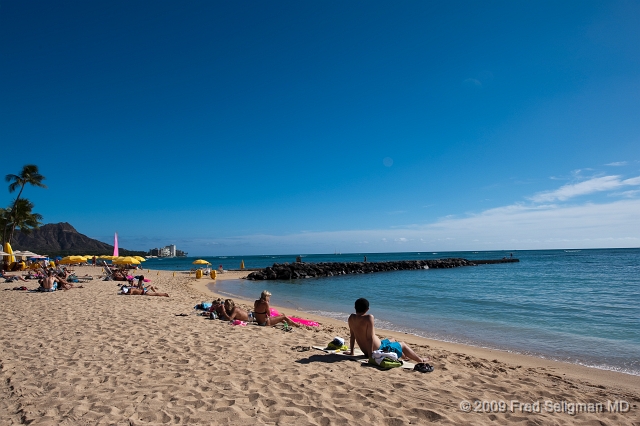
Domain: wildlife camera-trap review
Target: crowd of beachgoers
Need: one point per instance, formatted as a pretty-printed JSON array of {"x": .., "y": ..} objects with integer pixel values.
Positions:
[{"x": 52, "y": 276}]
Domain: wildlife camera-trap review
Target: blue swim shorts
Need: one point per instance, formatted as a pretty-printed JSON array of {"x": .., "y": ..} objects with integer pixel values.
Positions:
[{"x": 388, "y": 346}]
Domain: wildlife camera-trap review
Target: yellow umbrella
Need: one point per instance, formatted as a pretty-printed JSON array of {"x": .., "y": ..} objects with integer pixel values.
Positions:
[
  {"x": 72, "y": 259},
  {"x": 140, "y": 258},
  {"x": 8, "y": 249},
  {"x": 201, "y": 262},
  {"x": 126, "y": 261}
]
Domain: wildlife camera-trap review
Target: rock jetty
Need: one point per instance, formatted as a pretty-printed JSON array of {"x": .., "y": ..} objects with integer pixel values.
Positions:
[{"x": 299, "y": 270}]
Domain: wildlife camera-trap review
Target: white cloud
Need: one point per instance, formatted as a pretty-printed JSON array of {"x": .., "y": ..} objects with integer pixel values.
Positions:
[
  {"x": 628, "y": 194},
  {"x": 514, "y": 227},
  {"x": 547, "y": 223},
  {"x": 617, "y": 163},
  {"x": 599, "y": 184}
]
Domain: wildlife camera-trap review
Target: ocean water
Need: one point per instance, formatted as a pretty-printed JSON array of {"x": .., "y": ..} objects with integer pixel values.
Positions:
[{"x": 578, "y": 306}]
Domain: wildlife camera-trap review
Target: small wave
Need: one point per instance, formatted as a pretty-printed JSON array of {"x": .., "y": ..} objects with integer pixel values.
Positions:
[
  {"x": 334, "y": 315},
  {"x": 466, "y": 342}
]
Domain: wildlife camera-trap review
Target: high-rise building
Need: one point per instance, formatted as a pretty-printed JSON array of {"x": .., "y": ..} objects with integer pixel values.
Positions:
[{"x": 167, "y": 251}]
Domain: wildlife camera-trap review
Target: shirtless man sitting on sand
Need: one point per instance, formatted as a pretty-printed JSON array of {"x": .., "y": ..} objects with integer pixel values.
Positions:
[
  {"x": 48, "y": 283},
  {"x": 363, "y": 332}
]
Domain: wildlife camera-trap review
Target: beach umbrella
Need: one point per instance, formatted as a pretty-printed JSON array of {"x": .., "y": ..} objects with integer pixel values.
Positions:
[
  {"x": 201, "y": 262},
  {"x": 9, "y": 251},
  {"x": 24, "y": 254},
  {"x": 128, "y": 260},
  {"x": 140, "y": 258},
  {"x": 72, "y": 259}
]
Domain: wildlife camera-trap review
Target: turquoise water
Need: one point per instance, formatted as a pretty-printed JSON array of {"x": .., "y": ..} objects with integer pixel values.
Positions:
[{"x": 578, "y": 306}]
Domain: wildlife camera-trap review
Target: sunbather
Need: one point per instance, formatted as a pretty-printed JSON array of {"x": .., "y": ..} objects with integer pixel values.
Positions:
[
  {"x": 141, "y": 286},
  {"x": 262, "y": 312},
  {"x": 232, "y": 312},
  {"x": 217, "y": 307},
  {"x": 363, "y": 332},
  {"x": 135, "y": 291},
  {"x": 66, "y": 285},
  {"x": 11, "y": 278}
]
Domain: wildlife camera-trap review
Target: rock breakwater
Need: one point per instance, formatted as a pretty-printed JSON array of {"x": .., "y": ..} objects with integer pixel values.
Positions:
[{"x": 300, "y": 270}]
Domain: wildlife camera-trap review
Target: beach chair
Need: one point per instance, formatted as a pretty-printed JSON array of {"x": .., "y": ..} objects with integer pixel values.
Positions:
[{"x": 107, "y": 275}]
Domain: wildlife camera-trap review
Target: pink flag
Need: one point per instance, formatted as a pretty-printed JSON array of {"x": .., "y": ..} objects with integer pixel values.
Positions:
[{"x": 115, "y": 245}]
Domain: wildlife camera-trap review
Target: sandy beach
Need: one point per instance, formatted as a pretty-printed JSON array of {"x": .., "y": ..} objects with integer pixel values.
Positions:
[{"x": 90, "y": 356}]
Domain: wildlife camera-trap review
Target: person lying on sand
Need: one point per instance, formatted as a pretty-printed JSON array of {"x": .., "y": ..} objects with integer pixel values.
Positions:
[
  {"x": 35, "y": 275},
  {"x": 66, "y": 285},
  {"x": 136, "y": 291},
  {"x": 231, "y": 312},
  {"x": 141, "y": 286},
  {"x": 11, "y": 278},
  {"x": 217, "y": 307},
  {"x": 119, "y": 275},
  {"x": 262, "y": 312},
  {"x": 362, "y": 331}
]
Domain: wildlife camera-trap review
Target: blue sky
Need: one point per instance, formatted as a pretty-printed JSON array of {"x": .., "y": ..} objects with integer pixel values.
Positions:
[{"x": 309, "y": 127}]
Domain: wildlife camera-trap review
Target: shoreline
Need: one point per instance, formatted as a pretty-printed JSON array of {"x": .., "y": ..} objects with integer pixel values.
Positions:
[
  {"x": 104, "y": 358},
  {"x": 581, "y": 372}
]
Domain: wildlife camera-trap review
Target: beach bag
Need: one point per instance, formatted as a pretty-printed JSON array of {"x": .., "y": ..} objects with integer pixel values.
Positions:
[
  {"x": 337, "y": 344},
  {"x": 332, "y": 346},
  {"x": 385, "y": 360},
  {"x": 386, "y": 363},
  {"x": 203, "y": 306}
]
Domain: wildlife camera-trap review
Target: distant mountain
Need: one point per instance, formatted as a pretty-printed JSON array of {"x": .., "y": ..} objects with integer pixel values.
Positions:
[{"x": 62, "y": 239}]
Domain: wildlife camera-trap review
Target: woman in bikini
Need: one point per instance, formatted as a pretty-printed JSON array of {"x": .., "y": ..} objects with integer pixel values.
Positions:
[
  {"x": 141, "y": 286},
  {"x": 140, "y": 290},
  {"x": 262, "y": 314}
]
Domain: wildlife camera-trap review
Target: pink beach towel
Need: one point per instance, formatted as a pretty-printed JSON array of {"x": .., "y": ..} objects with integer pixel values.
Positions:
[{"x": 275, "y": 313}]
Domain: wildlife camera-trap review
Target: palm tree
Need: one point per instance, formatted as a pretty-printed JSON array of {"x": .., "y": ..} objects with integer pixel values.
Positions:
[
  {"x": 23, "y": 218},
  {"x": 28, "y": 175},
  {"x": 4, "y": 219}
]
